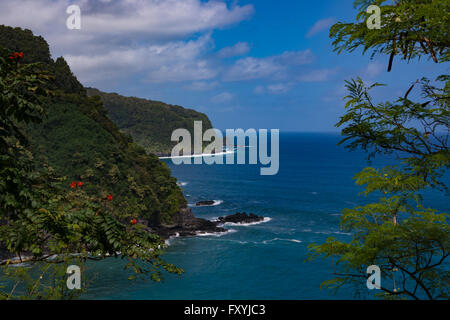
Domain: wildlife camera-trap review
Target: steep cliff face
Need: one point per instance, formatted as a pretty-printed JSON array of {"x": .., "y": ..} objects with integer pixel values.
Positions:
[
  {"x": 79, "y": 141},
  {"x": 150, "y": 123}
]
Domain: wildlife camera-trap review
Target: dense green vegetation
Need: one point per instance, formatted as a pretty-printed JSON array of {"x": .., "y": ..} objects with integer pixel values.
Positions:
[
  {"x": 52, "y": 134},
  {"x": 79, "y": 141},
  {"x": 406, "y": 240},
  {"x": 36, "y": 49},
  {"x": 150, "y": 123}
]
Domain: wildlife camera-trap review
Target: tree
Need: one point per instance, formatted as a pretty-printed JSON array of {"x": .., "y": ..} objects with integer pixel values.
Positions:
[
  {"x": 409, "y": 242},
  {"x": 409, "y": 28},
  {"x": 44, "y": 221}
]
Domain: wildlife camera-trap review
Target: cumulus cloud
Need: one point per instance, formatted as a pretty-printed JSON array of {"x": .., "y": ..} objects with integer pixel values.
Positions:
[
  {"x": 254, "y": 68},
  {"x": 170, "y": 62},
  {"x": 153, "y": 19},
  {"x": 145, "y": 36},
  {"x": 162, "y": 18},
  {"x": 160, "y": 41},
  {"x": 239, "y": 49},
  {"x": 320, "y": 26}
]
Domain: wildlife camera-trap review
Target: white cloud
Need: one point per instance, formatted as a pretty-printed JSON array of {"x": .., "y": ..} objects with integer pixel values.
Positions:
[
  {"x": 125, "y": 36},
  {"x": 320, "y": 26},
  {"x": 222, "y": 97},
  {"x": 153, "y": 19},
  {"x": 275, "y": 88},
  {"x": 37, "y": 15},
  {"x": 318, "y": 75},
  {"x": 254, "y": 68},
  {"x": 373, "y": 69},
  {"x": 171, "y": 62},
  {"x": 278, "y": 88},
  {"x": 294, "y": 58},
  {"x": 202, "y": 85},
  {"x": 239, "y": 49},
  {"x": 164, "y": 18}
]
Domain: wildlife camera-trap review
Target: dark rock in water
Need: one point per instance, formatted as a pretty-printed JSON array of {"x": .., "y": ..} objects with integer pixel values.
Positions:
[
  {"x": 186, "y": 224},
  {"x": 241, "y": 218},
  {"x": 205, "y": 203}
]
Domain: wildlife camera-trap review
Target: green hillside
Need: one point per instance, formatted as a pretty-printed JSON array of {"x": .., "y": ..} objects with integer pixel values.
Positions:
[
  {"x": 150, "y": 123},
  {"x": 79, "y": 141}
]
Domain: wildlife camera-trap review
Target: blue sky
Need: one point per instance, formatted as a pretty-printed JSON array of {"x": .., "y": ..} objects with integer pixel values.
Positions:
[{"x": 246, "y": 64}]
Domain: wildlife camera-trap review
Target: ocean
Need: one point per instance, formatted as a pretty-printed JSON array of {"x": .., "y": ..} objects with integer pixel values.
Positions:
[{"x": 302, "y": 205}]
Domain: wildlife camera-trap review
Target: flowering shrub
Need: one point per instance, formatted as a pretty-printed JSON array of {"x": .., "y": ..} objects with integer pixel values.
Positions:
[
  {"x": 39, "y": 218},
  {"x": 16, "y": 56},
  {"x": 75, "y": 184}
]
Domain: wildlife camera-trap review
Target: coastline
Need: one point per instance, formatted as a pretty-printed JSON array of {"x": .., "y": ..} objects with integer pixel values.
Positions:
[
  {"x": 187, "y": 225},
  {"x": 168, "y": 156}
]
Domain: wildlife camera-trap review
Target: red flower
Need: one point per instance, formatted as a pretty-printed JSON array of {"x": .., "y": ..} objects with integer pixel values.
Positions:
[
  {"x": 109, "y": 197},
  {"x": 80, "y": 184},
  {"x": 134, "y": 221},
  {"x": 16, "y": 55},
  {"x": 73, "y": 185}
]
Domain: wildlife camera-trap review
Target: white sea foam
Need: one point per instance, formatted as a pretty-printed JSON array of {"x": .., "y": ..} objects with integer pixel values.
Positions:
[
  {"x": 326, "y": 232},
  {"x": 281, "y": 239},
  {"x": 214, "y": 234},
  {"x": 167, "y": 242},
  {"x": 216, "y": 203},
  {"x": 266, "y": 219},
  {"x": 229, "y": 240},
  {"x": 201, "y": 155},
  {"x": 181, "y": 183}
]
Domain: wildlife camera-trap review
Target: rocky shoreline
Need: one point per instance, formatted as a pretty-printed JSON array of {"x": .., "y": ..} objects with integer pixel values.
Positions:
[
  {"x": 205, "y": 203},
  {"x": 241, "y": 218},
  {"x": 185, "y": 224}
]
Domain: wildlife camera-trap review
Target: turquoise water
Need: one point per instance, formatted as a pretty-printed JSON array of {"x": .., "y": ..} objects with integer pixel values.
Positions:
[{"x": 264, "y": 261}]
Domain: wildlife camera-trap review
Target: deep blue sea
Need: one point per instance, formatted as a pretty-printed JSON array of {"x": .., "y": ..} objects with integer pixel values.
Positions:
[{"x": 265, "y": 261}]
